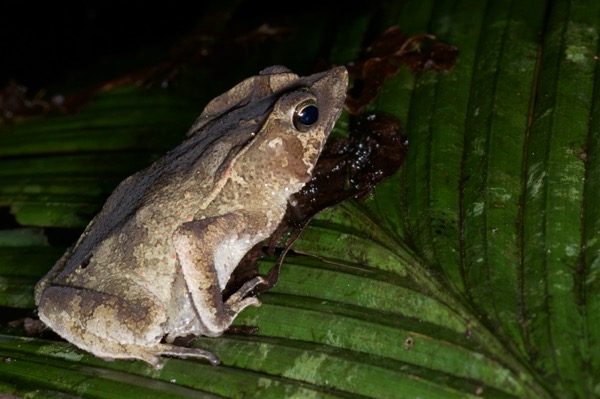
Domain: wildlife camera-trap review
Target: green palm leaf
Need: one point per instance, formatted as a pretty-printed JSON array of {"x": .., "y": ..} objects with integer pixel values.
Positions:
[{"x": 471, "y": 272}]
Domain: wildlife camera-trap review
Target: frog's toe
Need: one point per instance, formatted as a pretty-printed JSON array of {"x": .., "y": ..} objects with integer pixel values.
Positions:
[
  {"x": 245, "y": 289},
  {"x": 237, "y": 307},
  {"x": 181, "y": 352},
  {"x": 146, "y": 356}
]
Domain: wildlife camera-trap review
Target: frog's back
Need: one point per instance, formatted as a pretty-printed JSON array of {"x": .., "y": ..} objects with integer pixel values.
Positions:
[{"x": 159, "y": 195}]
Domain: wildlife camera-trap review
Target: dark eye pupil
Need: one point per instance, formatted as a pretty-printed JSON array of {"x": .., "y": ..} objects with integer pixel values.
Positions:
[{"x": 308, "y": 115}]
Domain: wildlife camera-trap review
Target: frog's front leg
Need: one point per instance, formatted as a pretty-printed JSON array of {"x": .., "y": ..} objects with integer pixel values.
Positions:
[{"x": 209, "y": 250}]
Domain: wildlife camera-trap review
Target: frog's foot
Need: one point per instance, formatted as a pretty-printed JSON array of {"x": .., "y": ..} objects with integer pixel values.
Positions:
[
  {"x": 129, "y": 352},
  {"x": 237, "y": 299},
  {"x": 181, "y": 352},
  {"x": 151, "y": 355}
]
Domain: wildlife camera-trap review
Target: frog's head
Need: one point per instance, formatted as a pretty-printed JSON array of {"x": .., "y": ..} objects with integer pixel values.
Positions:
[{"x": 299, "y": 123}]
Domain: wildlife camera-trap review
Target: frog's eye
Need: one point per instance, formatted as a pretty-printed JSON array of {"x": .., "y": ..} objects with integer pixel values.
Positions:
[{"x": 305, "y": 115}]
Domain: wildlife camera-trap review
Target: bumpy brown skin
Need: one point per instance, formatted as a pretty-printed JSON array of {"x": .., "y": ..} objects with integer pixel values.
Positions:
[{"x": 154, "y": 261}]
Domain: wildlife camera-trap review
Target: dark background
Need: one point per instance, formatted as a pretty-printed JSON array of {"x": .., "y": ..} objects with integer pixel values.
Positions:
[{"x": 44, "y": 41}]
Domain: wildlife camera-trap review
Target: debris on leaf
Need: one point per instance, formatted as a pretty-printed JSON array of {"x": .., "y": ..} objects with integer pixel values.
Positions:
[
  {"x": 347, "y": 168},
  {"x": 387, "y": 54}
]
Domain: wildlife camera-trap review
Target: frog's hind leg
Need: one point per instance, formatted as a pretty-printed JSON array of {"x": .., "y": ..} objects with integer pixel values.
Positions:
[{"x": 109, "y": 326}]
